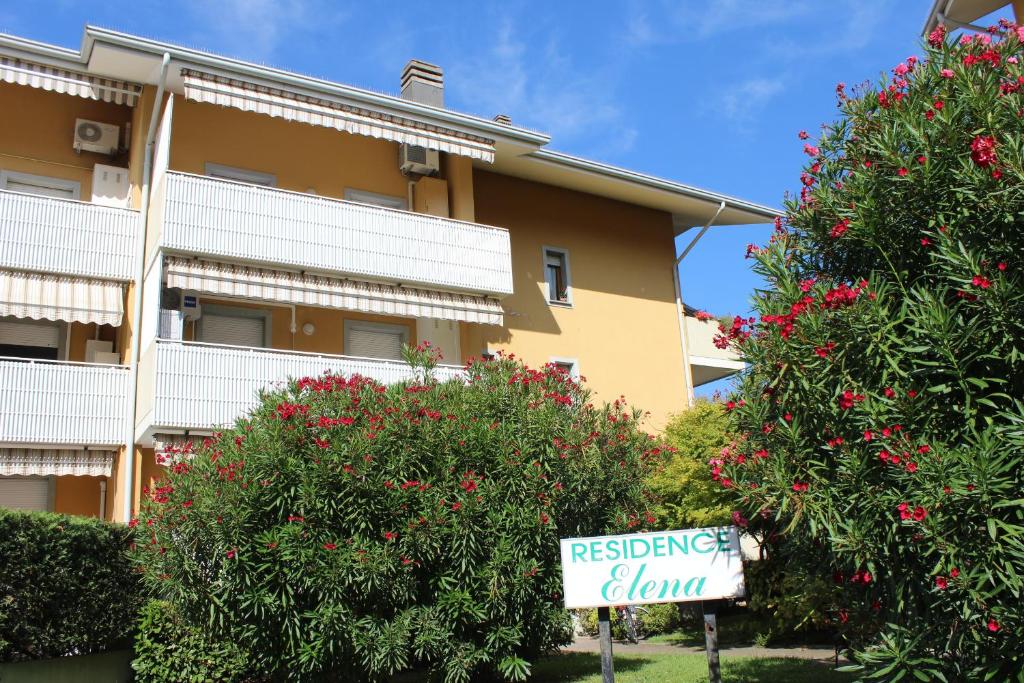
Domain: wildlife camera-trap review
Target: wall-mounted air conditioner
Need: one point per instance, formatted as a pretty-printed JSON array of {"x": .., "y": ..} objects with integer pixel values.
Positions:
[
  {"x": 93, "y": 136},
  {"x": 418, "y": 160}
]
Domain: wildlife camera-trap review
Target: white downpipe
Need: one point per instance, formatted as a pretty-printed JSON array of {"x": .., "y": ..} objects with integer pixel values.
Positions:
[
  {"x": 103, "y": 498},
  {"x": 140, "y": 274},
  {"x": 683, "y": 338}
]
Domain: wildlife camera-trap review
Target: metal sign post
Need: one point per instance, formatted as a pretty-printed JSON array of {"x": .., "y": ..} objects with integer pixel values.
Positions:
[
  {"x": 710, "y": 609},
  {"x": 604, "y": 629}
]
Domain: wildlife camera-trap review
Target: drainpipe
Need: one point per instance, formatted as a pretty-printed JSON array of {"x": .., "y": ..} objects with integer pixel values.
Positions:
[
  {"x": 683, "y": 339},
  {"x": 140, "y": 275},
  {"x": 103, "y": 498}
]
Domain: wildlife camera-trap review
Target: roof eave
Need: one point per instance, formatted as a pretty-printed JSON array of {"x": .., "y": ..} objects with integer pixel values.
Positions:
[{"x": 521, "y": 136}]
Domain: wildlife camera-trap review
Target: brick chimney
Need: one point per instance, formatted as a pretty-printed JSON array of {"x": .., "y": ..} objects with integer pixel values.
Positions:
[{"x": 423, "y": 83}]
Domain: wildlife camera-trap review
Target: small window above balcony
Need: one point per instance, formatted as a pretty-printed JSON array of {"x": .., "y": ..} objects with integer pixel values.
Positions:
[
  {"x": 376, "y": 199},
  {"x": 38, "y": 184},
  {"x": 242, "y": 175}
]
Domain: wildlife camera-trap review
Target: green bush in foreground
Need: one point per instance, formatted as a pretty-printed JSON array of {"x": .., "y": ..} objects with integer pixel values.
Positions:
[
  {"x": 66, "y": 585},
  {"x": 346, "y": 529}
]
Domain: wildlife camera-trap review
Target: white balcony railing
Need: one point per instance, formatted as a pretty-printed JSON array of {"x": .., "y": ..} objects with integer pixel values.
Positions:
[
  {"x": 61, "y": 403},
  {"x": 233, "y": 220},
  {"x": 203, "y": 386},
  {"x": 65, "y": 236}
]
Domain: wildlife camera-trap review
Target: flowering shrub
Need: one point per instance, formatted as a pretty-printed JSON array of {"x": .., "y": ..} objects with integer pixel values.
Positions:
[
  {"x": 880, "y": 424},
  {"x": 349, "y": 529}
]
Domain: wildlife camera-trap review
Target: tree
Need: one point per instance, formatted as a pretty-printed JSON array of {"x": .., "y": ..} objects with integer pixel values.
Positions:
[
  {"x": 880, "y": 438},
  {"x": 687, "y": 496},
  {"x": 349, "y": 529}
]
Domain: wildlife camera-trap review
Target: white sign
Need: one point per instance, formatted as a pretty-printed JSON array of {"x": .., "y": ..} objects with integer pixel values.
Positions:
[{"x": 665, "y": 566}]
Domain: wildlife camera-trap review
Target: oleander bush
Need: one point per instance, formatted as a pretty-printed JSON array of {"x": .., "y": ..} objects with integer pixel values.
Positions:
[
  {"x": 880, "y": 427},
  {"x": 67, "y": 586},
  {"x": 347, "y": 530}
]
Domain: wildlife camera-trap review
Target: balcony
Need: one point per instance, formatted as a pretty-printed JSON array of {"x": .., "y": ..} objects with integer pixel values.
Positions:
[
  {"x": 64, "y": 236},
  {"x": 62, "y": 404},
  {"x": 241, "y": 222},
  {"x": 708, "y": 362},
  {"x": 199, "y": 386}
]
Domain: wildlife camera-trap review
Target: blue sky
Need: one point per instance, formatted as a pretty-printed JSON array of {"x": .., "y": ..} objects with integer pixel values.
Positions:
[{"x": 708, "y": 93}]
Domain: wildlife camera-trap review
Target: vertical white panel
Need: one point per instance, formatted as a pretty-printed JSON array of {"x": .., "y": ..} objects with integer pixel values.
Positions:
[
  {"x": 151, "y": 290},
  {"x": 162, "y": 142}
]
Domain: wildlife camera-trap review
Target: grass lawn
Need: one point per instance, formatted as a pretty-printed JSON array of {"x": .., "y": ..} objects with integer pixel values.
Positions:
[
  {"x": 578, "y": 667},
  {"x": 739, "y": 629}
]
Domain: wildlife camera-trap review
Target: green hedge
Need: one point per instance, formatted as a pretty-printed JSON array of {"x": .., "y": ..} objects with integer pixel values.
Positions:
[
  {"x": 66, "y": 586},
  {"x": 168, "y": 650}
]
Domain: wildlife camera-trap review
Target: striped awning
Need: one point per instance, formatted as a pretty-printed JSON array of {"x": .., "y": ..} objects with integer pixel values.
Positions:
[
  {"x": 266, "y": 284},
  {"x": 75, "y": 83},
  {"x": 56, "y": 462},
  {"x": 42, "y": 296},
  {"x": 316, "y": 111}
]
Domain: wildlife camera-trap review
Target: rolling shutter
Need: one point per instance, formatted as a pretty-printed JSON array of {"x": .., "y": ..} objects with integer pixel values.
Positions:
[
  {"x": 25, "y": 493},
  {"x": 28, "y": 333},
  {"x": 232, "y": 330},
  {"x": 366, "y": 343}
]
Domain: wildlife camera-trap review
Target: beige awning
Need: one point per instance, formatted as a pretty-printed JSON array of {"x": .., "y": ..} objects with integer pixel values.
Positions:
[
  {"x": 60, "y": 297},
  {"x": 56, "y": 462},
  {"x": 69, "y": 82},
  {"x": 329, "y": 292},
  {"x": 316, "y": 111}
]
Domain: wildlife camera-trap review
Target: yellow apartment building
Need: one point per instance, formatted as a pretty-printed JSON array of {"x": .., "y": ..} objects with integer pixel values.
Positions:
[{"x": 179, "y": 229}]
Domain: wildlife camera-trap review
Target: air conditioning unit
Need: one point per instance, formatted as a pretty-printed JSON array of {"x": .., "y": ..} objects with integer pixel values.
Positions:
[
  {"x": 190, "y": 308},
  {"x": 93, "y": 136},
  {"x": 418, "y": 160}
]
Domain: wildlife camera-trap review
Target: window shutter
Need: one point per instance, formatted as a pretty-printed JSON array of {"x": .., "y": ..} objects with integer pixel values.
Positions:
[
  {"x": 44, "y": 190},
  {"x": 25, "y": 493},
  {"x": 366, "y": 343},
  {"x": 232, "y": 330},
  {"x": 27, "y": 333}
]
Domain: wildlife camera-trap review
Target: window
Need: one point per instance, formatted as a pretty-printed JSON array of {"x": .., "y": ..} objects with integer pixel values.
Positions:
[
  {"x": 570, "y": 365},
  {"x": 25, "y": 338},
  {"x": 385, "y": 200},
  {"x": 375, "y": 340},
  {"x": 26, "y": 493},
  {"x": 249, "y": 327},
  {"x": 38, "y": 184},
  {"x": 241, "y": 175},
  {"x": 556, "y": 274}
]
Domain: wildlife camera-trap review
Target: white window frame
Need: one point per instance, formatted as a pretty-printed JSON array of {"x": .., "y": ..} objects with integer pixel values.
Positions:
[
  {"x": 386, "y": 201},
  {"x": 242, "y": 175},
  {"x": 43, "y": 180},
  {"x": 366, "y": 326},
  {"x": 574, "y": 363},
  {"x": 564, "y": 253},
  {"x": 236, "y": 312}
]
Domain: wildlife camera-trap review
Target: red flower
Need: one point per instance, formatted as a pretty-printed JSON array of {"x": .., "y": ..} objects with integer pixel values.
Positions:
[
  {"x": 954, "y": 572},
  {"x": 922, "y": 159},
  {"x": 937, "y": 37},
  {"x": 231, "y": 553},
  {"x": 133, "y": 523},
  {"x": 941, "y": 583},
  {"x": 911, "y": 394},
  {"x": 811, "y": 150},
  {"x": 981, "y": 281},
  {"x": 839, "y": 228},
  {"x": 800, "y": 486},
  {"x": 920, "y": 513},
  {"x": 329, "y": 546},
  {"x": 844, "y": 616},
  {"x": 889, "y": 393},
  {"x": 803, "y": 135},
  {"x": 993, "y": 625},
  {"x": 983, "y": 150},
  {"x": 390, "y": 535},
  {"x": 738, "y": 519},
  {"x": 902, "y": 172},
  {"x": 869, "y": 435},
  {"x": 904, "y": 510},
  {"x": 947, "y": 490},
  {"x": 1001, "y": 266},
  {"x": 788, "y": 417},
  {"x": 939, "y": 104}
]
